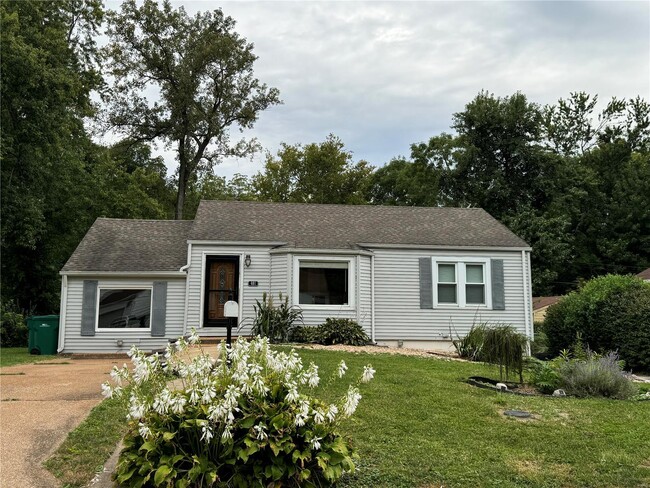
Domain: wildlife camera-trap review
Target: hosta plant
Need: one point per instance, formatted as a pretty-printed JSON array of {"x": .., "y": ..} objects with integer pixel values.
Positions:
[{"x": 245, "y": 419}]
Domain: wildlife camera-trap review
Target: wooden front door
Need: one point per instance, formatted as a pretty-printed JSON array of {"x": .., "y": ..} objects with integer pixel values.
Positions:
[{"x": 221, "y": 286}]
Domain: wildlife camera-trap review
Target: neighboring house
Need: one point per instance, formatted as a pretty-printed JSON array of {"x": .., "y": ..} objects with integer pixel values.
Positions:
[
  {"x": 645, "y": 275},
  {"x": 410, "y": 276},
  {"x": 540, "y": 305}
]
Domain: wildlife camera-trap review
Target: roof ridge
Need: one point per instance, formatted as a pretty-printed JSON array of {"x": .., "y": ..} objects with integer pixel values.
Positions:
[{"x": 363, "y": 205}]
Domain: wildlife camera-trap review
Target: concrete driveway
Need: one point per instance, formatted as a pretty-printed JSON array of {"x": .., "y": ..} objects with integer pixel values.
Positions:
[{"x": 41, "y": 403}]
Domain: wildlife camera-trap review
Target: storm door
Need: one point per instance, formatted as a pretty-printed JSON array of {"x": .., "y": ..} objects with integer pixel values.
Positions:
[{"x": 221, "y": 285}]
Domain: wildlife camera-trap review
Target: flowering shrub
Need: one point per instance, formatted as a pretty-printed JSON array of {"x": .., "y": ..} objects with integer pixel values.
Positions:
[{"x": 240, "y": 422}]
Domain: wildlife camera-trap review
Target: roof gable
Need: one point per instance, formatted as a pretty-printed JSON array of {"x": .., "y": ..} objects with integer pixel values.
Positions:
[{"x": 132, "y": 245}]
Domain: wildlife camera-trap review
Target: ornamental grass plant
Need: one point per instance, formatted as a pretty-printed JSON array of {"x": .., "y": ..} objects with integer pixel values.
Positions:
[{"x": 246, "y": 419}]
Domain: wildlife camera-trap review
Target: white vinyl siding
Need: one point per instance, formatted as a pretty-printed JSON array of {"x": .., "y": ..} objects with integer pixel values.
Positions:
[
  {"x": 397, "y": 295},
  {"x": 105, "y": 340}
]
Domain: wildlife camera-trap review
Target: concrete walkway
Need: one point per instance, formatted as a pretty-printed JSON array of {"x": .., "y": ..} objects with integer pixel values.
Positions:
[{"x": 41, "y": 403}]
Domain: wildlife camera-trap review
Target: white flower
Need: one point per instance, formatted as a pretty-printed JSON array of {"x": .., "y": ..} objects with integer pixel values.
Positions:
[
  {"x": 260, "y": 431},
  {"x": 107, "y": 390},
  {"x": 319, "y": 416},
  {"x": 178, "y": 404},
  {"x": 368, "y": 374},
  {"x": 331, "y": 413},
  {"x": 136, "y": 409},
  {"x": 194, "y": 337},
  {"x": 209, "y": 393},
  {"x": 315, "y": 444},
  {"x": 351, "y": 401},
  {"x": 226, "y": 434},
  {"x": 206, "y": 432},
  {"x": 292, "y": 395},
  {"x": 145, "y": 432},
  {"x": 342, "y": 369}
]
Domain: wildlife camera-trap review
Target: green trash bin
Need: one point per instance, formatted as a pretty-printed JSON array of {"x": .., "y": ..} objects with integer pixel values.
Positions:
[{"x": 43, "y": 334}]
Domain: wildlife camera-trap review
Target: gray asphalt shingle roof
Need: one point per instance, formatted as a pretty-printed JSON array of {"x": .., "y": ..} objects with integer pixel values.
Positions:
[
  {"x": 161, "y": 245},
  {"x": 132, "y": 245},
  {"x": 345, "y": 226}
]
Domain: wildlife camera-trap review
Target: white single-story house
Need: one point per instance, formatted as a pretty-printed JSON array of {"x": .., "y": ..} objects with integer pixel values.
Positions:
[{"x": 410, "y": 276}]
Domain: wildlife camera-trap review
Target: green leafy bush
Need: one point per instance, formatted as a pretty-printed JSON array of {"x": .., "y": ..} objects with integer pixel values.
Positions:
[
  {"x": 273, "y": 322},
  {"x": 303, "y": 334},
  {"x": 539, "y": 346},
  {"x": 341, "y": 331},
  {"x": 504, "y": 346},
  {"x": 470, "y": 346},
  {"x": 544, "y": 375},
  {"x": 241, "y": 422},
  {"x": 13, "y": 329},
  {"x": 598, "y": 375},
  {"x": 611, "y": 312}
]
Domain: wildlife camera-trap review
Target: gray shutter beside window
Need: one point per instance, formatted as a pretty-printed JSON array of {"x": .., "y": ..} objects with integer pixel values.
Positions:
[
  {"x": 498, "y": 295},
  {"x": 89, "y": 308},
  {"x": 159, "y": 308},
  {"x": 426, "y": 283}
]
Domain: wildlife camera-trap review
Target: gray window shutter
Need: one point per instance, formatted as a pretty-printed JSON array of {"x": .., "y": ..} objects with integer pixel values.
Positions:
[
  {"x": 89, "y": 308},
  {"x": 498, "y": 295},
  {"x": 159, "y": 307},
  {"x": 426, "y": 283}
]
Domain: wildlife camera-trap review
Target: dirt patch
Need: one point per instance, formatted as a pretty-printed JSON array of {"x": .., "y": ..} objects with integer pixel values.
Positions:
[{"x": 527, "y": 467}]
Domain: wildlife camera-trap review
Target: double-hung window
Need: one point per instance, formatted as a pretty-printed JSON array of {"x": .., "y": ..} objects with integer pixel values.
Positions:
[{"x": 461, "y": 282}]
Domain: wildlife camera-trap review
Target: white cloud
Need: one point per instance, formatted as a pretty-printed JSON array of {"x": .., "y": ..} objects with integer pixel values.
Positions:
[{"x": 383, "y": 75}]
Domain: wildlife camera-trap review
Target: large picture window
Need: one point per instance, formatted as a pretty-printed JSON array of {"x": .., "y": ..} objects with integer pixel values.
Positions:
[
  {"x": 323, "y": 283},
  {"x": 124, "y": 309}
]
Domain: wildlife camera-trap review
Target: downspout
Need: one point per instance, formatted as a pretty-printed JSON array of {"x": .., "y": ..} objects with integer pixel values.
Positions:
[
  {"x": 524, "y": 273},
  {"x": 185, "y": 269},
  {"x": 372, "y": 298},
  {"x": 530, "y": 295},
  {"x": 62, "y": 310}
]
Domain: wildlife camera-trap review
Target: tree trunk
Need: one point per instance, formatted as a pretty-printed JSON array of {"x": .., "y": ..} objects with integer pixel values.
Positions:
[{"x": 183, "y": 178}]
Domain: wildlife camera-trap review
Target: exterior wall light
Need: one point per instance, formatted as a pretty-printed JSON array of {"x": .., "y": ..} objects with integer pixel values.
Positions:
[{"x": 247, "y": 260}]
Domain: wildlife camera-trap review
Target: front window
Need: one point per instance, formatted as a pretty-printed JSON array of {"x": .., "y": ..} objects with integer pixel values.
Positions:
[
  {"x": 124, "y": 309},
  {"x": 323, "y": 283}
]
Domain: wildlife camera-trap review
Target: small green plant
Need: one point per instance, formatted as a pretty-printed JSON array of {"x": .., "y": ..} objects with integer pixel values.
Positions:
[
  {"x": 273, "y": 322},
  {"x": 597, "y": 375},
  {"x": 303, "y": 334},
  {"x": 470, "y": 346},
  {"x": 13, "y": 328},
  {"x": 539, "y": 347},
  {"x": 504, "y": 346},
  {"x": 341, "y": 331},
  {"x": 242, "y": 420},
  {"x": 544, "y": 375}
]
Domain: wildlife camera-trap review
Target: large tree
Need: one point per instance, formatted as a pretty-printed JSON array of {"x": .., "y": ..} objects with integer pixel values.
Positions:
[
  {"x": 201, "y": 74},
  {"x": 48, "y": 74},
  {"x": 313, "y": 173}
]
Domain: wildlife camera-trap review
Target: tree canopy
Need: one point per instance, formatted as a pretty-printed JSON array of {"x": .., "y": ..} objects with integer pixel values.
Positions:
[{"x": 203, "y": 73}]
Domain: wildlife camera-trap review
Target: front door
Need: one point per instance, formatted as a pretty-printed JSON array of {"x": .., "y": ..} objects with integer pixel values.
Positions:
[{"x": 222, "y": 283}]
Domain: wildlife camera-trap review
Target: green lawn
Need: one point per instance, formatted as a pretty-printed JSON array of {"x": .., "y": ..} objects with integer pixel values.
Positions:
[
  {"x": 420, "y": 425},
  {"x": 10, "y": 356}
]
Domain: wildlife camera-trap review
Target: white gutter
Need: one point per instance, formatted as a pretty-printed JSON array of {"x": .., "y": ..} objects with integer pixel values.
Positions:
[
  {"x": 450, "y": 248},
  {"x": 124, "y": 274},
  {"x": 372, "y": 297},
  {"x": 185, "y": 270},
  {"x": 238, "y": 243},
  {"x": 62, "y": 309},
  {"x": 342, "y": 252}
]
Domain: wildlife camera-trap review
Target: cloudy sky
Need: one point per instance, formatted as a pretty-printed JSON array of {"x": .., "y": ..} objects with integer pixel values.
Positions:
[{"x": 383, "y": 75}]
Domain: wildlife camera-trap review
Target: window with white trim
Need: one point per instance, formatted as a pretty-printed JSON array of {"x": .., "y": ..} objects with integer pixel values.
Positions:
[
  {"x": 461, "y": 282},
  {"x": 124, "y": 308},
  {"x": 324, "y": 283}
]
